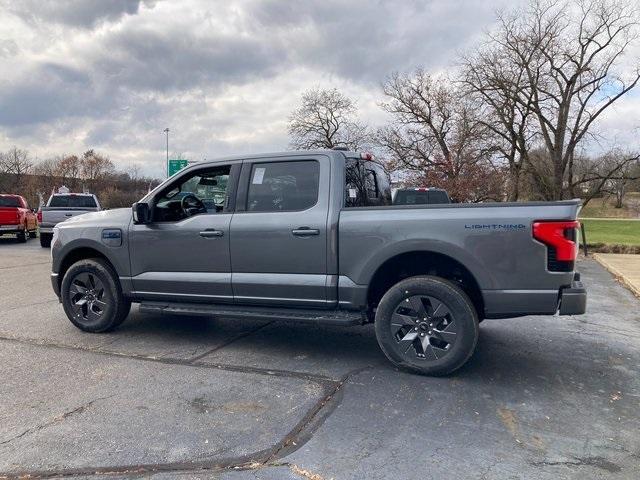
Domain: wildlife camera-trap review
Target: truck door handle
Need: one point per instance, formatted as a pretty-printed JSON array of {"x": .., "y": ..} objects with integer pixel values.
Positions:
[
  {"x": 211, "y": 233},
  {"x": 305, "y": 232},
  {"x": 68, "y": 214}
]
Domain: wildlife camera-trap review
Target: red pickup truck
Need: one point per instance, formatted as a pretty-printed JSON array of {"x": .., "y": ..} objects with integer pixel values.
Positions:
[{"x": 17, "y": 218}]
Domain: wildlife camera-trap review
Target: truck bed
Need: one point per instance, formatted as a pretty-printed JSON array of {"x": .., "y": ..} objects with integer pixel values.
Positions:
[{"x": 492, "y": 240}]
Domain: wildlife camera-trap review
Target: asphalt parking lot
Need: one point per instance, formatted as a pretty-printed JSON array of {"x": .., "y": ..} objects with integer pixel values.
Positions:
[{"x": 178, "y": 397}]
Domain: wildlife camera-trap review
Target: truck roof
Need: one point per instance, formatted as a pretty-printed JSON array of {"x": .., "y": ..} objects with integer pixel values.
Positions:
[
  {"x": 288, "y": 153},
  {"x": 70, "y": 194}
]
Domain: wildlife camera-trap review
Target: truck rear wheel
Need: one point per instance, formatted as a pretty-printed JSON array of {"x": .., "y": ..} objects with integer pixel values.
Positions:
[
  {"x": 23, "y": 235},
  {"x": 427, "y": 325},
  {"x": 92, "y": 297},
  {"x": 45, "y": 240}
]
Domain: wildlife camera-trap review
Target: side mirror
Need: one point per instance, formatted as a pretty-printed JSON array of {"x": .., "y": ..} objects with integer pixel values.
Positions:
[{"x": 141, "y": 212}]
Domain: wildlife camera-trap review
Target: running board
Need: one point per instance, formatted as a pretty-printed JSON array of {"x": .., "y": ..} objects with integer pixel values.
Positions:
[{"x": 331, "y": 317}]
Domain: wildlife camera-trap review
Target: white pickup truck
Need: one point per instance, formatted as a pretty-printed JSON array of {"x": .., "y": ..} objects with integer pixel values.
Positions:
[{"x": 60, "y": 207}]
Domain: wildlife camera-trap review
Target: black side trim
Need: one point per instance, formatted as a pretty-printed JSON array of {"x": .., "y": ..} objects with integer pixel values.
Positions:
[
  {"x": 234, "y": 175},
  {"x": 333, "y": 317},
  {"x": 243, "y": 188}
]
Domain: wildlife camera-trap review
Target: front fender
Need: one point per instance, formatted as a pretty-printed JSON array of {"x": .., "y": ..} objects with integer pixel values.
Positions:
[{"x": 70, "y": 241}]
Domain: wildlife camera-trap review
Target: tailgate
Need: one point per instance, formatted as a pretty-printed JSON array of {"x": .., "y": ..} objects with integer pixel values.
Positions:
[
  {"x": 8, "y": 216},
  {"x": 57, "y": 215}
]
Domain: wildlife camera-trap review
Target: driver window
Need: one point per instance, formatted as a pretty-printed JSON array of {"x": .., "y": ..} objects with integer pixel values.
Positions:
[{"x": 205, "y": 191}]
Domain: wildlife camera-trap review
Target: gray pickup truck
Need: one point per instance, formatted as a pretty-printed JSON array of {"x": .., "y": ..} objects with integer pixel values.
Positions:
[
  {"x": 61, "y": 207},
  {"x": 313, "y": 237}
]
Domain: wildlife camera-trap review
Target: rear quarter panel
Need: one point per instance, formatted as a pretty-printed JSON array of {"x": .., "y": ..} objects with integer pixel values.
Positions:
[{"x": 498, "y": 257}]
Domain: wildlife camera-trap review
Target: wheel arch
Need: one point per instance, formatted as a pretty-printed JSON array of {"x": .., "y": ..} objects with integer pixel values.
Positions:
[
  {"x": 80, "y": 253},
  {"x": 423, "y": 262}
]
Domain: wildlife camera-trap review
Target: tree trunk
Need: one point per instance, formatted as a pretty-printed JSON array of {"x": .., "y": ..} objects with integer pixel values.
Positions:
[
  {"x": 514, "y": 184},
  {"x": 558, "y": 176},
  {"x": 572, "y": 190},
  {"x": 619, "y": 195}
]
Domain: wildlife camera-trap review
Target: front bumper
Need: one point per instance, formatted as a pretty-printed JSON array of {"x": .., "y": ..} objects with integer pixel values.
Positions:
[
  {"x": 573, "y": 299},
  {"x": 55, "y": 284}
]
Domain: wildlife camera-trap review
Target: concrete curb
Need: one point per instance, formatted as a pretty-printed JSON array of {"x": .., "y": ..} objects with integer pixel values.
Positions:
[{"x": 616, "y": 272}]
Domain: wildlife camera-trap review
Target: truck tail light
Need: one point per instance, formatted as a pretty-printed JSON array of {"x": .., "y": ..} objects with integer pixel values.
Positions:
[
  {"x": 39, "y": 216},
  {"x": 560, "y": 238}
]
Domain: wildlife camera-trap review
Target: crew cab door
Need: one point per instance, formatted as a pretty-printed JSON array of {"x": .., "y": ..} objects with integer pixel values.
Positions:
[
  {"x": 183, "y": 254},
  {"x": 279, "y": 232}
]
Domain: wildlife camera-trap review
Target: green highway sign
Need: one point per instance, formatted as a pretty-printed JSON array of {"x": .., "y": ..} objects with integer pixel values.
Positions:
[{"x": 176, "y": 165}]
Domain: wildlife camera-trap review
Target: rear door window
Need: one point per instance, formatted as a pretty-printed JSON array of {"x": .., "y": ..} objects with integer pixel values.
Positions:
[
  {"x": 283, "y": 186},
  {"x": 366, "y": 184}
]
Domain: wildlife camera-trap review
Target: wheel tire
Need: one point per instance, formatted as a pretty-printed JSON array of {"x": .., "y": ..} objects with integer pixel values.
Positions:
[
  {"x": 23, "y": 235},
  {"x": 45, "y": 240},
  {"x": 432, "y": 340},
  {"x": 92, "y": 297}
]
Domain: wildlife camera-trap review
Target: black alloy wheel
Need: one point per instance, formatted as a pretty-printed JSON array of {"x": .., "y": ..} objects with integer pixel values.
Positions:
[
  {"x": 427, "y": 325},
  {"x": 92, "y": 296},
  {"x": 423, "y": 327},
  {"x": 88, "y": 298}
]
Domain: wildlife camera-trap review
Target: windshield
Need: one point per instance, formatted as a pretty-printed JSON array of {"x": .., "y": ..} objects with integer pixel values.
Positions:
[
  {"x": 72, "y": 201},
  {"x": 9, "y": 202}
]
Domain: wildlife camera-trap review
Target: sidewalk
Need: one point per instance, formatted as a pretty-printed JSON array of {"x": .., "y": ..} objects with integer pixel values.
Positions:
[{"x": 624, "y": 266}]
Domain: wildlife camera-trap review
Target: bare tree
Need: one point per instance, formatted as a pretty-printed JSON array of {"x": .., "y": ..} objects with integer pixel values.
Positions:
[
  {"x": 95, "y": 168},
  {"x": 495, "y": 84},
  {"x": 610, "y": 173},
  {"x": 16, "y": 163},
  {"x": 436, "y": 136},
  {"x": 68, "y": 169},
  {"x": 560, "y": 62},
  {"x": 134, "y": 172},
  {"x": 326, "y": 119},
  {"x": 621, "y": 182}
]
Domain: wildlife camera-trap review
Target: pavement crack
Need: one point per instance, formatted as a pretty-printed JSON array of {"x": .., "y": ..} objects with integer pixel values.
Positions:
[
  {"x": 22, "y": 265},
  {"x": 229, "y": 342},
  {"x": 35, "y": 304},
  {"x": 597, "y": 462},
  {"x": 98, "y": 350},
  {"x": 58, "y": 419},
  {"x": 305, "y": 473},
  {"x": 313, "y": 420},
  {"x": 485, "y": 473}
]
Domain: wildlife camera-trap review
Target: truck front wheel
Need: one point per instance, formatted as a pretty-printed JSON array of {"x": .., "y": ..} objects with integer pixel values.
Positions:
[
  {"x": 92, "y": 297},
  {"x": 427, "y": 325},
  {"x": 45, "y": 240}
]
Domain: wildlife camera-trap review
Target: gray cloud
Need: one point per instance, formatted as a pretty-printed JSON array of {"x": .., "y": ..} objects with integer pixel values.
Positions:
[
  {"x": 76, "y": 13},
  {"x": 223, "y": 75},
  {"x": 176, "y": 60},
  {"x": 49, "y": 91},
  {"x": 365, "y": 41}
]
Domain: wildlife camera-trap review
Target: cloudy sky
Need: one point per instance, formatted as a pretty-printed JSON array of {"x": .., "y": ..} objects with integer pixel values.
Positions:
[{"x": 222, "y": 75}]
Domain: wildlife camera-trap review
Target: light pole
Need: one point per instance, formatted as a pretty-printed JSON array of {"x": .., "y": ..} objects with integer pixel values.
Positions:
[{"x": 166, "y": 166}]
